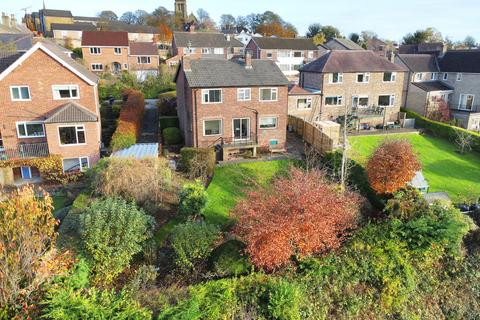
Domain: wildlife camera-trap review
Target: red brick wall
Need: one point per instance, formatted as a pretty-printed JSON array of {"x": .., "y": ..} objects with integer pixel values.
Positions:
[
  {"x": 107, "y": 58},
  {"x": 40, "y": 72},
  {"x": 135, "y": 66}
]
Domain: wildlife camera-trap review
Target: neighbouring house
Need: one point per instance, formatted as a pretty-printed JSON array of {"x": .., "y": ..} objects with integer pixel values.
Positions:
[
  {"x": 70, "y": 34},
  {"x": 290, "y": 54},
  {"x": 460, "y": 69},
  {"x": 436, "y": 48},
  {"x": 234, "y": 105},
  {"x": 424, "y": 92},
  {"x": 143, "y": 59},
  {"x": 356, "y": 82},
  {"x": 15, "y": 41},
  {"x": 302, "y": 102},
  {"x": 208, "y": 45},
  {"x": 48, "y": 16},
  {"x": 105, "y": 51},
  {"x": 342, "y": 44},
  {"x": 48, "y": 106},
  {"x": 244, "y": 36},
  {"x": 381, "y": 47},
  {"x": 8, "y": 24}
]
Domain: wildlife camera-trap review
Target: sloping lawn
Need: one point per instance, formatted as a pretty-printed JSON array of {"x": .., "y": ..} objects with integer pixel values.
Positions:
[
  {"x": 229, "y": 182},
  {"x": 444, "y": 168}
]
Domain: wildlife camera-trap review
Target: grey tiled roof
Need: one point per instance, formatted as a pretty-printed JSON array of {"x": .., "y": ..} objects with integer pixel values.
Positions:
[
  {"x": 429, "y": 86},
  {"x": 71, "y": 112},
  {"x": 228, "y": 73},
  {"x": 346, "y": 43},
  {"x": 7, "y": 58},
  {"x": 56, "y": 13},
  {"x": 284, "y": 43},
  {"x": 203, "y": 40},
  {"x": 467, "y": 61},
  {"x": 351, "y": 61},
  {"x": 420, "y": 62},
  {"x": 77, "y": 26},
  {"x": 21, "y": 41}
]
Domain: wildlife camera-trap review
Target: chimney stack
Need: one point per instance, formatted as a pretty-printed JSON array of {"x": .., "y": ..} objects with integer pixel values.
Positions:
[
  {"x": 13, "y": 21},
  {"x": 186, "y": 63},
  {"x": 192, "y": 28},
  {"x": 248, "y": 59},
  {"x": 5, "y": 20}
]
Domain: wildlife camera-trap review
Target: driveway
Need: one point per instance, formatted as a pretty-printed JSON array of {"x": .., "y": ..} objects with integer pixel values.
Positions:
[{"x": 149, "y": 132}]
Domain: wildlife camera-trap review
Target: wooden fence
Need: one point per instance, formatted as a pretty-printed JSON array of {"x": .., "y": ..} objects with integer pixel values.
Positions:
[{"x": 324, "y": 138}]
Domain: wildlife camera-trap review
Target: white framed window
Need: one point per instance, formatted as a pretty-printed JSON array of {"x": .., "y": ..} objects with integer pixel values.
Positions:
[
  {"x": 434, "y": 76},
  {"x": 283, "y": 54},
  {"x": 304, "y": 103},
  {"x": 80, "y": 164},
  {"x": 143, "y": 60},
  {"x": 97, "y": 67},
  {"x": 310, "y": 54},
  {"x": 298, "y": 54},
  {"x": 268, "y": 94},
  {"x": 211, "y": 96},
  {"x": 363, "y": 77},
  {"x": 389, "y": 76},
  {"x": 20, "y": 93},
  {"x": 418, "y": 76},
  {"x": 117, "y": 51},
  {"x": 285, "y": 67},
  {"x": 268, "y": 123},
  {"x": 459, "y": 76},
  {"x": 360, "y": 101},
  {"x": 386, "y": 100},
  {"x": 30, "y": 129},
  {"x": 64, "y": 92},
  {"x": 95, "y": 50},
  {"x": 125, "y": 66},
  {"x": 334, "y": 101},
  {"x": 269, "y": 55},
  {"x": 244, "y": 94},
  {"x": 71, "y": 135},
  {"x": 218, "y": 50},
  {"x": 336, "y": 77},
  {"x": 206, "y": 51},
  {"x": 212, "y": 127},
  {"x": 445, "y": 76},
  {"x": 466, "y": 101}
]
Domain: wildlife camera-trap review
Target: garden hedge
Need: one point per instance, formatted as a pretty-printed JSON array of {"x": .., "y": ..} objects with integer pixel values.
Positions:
[
  {"x": 442, "y": 130},
  {"x": 130, "y": 120},
  {"x": 188, "y": 155}
]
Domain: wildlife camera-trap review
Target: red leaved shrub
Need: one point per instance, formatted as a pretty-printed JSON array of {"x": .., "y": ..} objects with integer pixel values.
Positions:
[
  {"x": 300, "y": 214},
  {"x": 130, "y": 120},
  {"x": 392, "y": 166}
]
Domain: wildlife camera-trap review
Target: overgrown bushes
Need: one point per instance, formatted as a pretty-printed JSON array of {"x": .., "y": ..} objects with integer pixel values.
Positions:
[
  {"x": 193, "y": 199},
  {"x": 167, "y": 104},
  {"x": 442, "y": 130},
  {"x": 172, "y": 136},
  {"x": 113, "y": 230},
  {"x": 130, "y": 120},
  {"x": 198, "y": 162}
]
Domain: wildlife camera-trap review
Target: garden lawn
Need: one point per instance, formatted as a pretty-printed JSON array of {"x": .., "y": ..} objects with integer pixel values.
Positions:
[
  {"x": 230, "y": 182},
  {"x": 443, "y": 167}
]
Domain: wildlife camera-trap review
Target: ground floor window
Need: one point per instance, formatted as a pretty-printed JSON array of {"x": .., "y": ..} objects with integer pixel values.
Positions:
[
  {"x": 304, "y": 103},
  {"x": 72, "y": 135},
  {"x": 386, "y": 100},
  {"x": 212, "y": 127},
  {"x": 30, "y": 129},
  {"x": 80, "y": 164},
  {"x": 466, "y": 101},
  {"x": 97, "y": 67},
  {"x": 268, "y": 123},
  {"x": 334, "y": 101}
]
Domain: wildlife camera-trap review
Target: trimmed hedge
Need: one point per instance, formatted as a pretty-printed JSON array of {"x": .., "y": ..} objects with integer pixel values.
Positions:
[
  {"x": 172, "y": 136},
  {"x": 130, "y": 120},
  {"x": 189, "y": 155},
  {"x": 442, "y": 130}
]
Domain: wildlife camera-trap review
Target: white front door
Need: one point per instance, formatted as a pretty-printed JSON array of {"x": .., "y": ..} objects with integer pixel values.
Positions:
[{"x": 241, "y": 129}]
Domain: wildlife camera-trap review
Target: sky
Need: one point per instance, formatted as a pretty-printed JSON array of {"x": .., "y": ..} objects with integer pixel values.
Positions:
[{"x": 390, "y": 19}]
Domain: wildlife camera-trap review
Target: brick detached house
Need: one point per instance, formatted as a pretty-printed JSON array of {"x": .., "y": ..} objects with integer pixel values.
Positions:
[
  {"x": 48, "y": 105},
  {"x": 210, "y": 45},
  {"x": 289, "y": 54},
  {"x": 143, "y": 59},
  {"x": 105, "y": 51},
  {"x": 234, "y": 104},
  {"x": 358, "y": 82}
]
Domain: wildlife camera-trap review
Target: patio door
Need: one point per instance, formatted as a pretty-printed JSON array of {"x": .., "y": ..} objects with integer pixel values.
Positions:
[{"x": 241, "y": 129}]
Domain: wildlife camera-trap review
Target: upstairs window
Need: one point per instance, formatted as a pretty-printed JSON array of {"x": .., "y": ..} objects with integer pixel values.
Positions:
[
  {"x": 95, "y": 50},
  {"x": 336, "y": 77},
  {"x": 244, "y": 94},
  {"x": 334, "y": 101},
  {"x": 218, "y": 50},
  {"x": 206, "y": 51},
  {"x": 143, "y": 60},
  {"x": 298, "y": 54},
  {"x": 212, "y": 96},
  {"x": 33, "y": 129},
  {"x": 20, "y": 93},
  {"x": 434, "y": 76},
  {"x": 72, "y": 135},
  {"x": 269, "y": 55},
  {"x": 268, "y": 94},
  {"x": 419, "y": 77},
  {"x": 118, "y": 51},
  {"x": 363, "y": 77},
  {"x": 386, "y": 100},
  {"x": 459, "y": 76},
  {"x": 61, "y": 92},
  {"x": 445, "y": 76},
  {"x": 389, "y": 77}
]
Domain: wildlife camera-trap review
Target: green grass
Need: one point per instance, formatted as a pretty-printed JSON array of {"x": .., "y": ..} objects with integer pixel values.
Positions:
[
  {"x": 230, "y": 182},
  {"x": 59, "y": 201},
  {"x": 443, "y": 167}
]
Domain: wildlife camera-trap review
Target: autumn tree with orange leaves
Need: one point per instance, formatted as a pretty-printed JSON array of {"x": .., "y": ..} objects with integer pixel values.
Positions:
[
  {"x": 301, "y": 214},
  {"x": 392, "y": 166}
]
